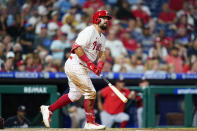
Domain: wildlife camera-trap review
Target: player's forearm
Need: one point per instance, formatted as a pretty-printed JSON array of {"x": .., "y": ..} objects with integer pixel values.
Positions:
[
  {"x": 79, "y": 51},
  {"x": 81, "y": 54}
]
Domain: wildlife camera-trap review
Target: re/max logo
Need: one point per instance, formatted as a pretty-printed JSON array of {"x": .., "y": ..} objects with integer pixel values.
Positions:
[{"x": 35, "y": 90}]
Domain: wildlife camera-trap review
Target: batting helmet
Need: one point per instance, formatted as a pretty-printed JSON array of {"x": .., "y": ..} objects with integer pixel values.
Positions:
[{"x": 98, "y": 14}]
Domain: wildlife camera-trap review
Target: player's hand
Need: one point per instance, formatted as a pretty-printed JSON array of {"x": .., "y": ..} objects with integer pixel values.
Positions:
[
  {"x": 99, "y": 68},
  {"x": 97, "y": 71},
  {"x": 91, "y": 66},
  {"x": 94, "y": 68}
]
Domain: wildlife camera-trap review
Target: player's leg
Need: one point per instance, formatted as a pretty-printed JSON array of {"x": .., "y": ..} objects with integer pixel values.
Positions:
[
  {"x": 139, "y": 116},
  {"x": 64, "y": 100},
  {"x": 122, "y": 118},
  {"x": 106, "y": 119},
  {"x": 86, "y": 87},
  {"x": 82, "y": 81},
  {"x": 73, "y": 95}
]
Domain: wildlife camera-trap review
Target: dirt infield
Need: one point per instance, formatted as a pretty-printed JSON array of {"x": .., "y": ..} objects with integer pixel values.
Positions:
[{"x": 108, "y": 129}]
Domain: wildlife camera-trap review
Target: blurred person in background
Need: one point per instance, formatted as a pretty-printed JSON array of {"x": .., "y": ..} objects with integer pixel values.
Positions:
[
  {"x": 18, "y": 121},
  {"x": 52, "y": 28},
  {"x": 68, "y": 23},
  {"x": 123, "y": 11},
  {"x": 144, "y": 83},
  {"x": 8, "y": 65},
  {"x": 55, "y": 19},
  {"x": 171, "y": 68},
  {"x": 38, "y": 27},
  {"x": 12, "y": 7},
  {"x": 139, "y": 102},
  {"x": 109, "y": 61},
  {"x": 129, "y": 43},
  {"x": 115, "y": 45},
  {"x": 77, "y": 114},
  {"x": 42, "y": 41},
  {"x": 139, "y": 53},
  {"x": 37, "y": 63},
  {"x": 185, "y": 10},
  {"x": 154, "y": 68},
  {"x": 166, "y": 15},
  {"x": 159, "y": 48},
  {"x": 34, "y": 18},
  {"x": 140, "y": 13},
  {"x": 138, "y": 29},
  {"x": 18, "y": 54},
  {"x": 75, "y": 16},
  {"x": 136, "y": 64},
  {"x": 135, "y": 28},
  {"x": 62, "y": 5},
  {"x": 175, "y": 59},
  {"x": 21, "y": 66},
  {"x": 193, "y": 67},
  {"x": 182, "y": 37},
  {"x": 69, "y": 26},
  {"x": 146, "y": 39},
  {"x": 26, "y": 11},
  {"x": 48, "y": 65},
  {"x": 7, "y": 43},
  {"x": 17, "y": 28},
  {"x": 120, "y": 62},
  {"x": 58, "y": 46},
  {"x": 95, "y": 4},
  {"x": 85, "y": 19},
  {"x": 192, "y": 51},
  {"x": 3, "y": 16},
  {"x": 134, "y": 5},
  {"x": 108, "y": 55},
  {"x": 27, "y": 38},
  {"x": 112, "y": 110},
  {"x": 107, "y": 67},
  {"x": 166, "y": 41},
  {"x": 183, "y": 22},
  {"x": 2, "y": 54},
  {"x": 29, "y": 65}
]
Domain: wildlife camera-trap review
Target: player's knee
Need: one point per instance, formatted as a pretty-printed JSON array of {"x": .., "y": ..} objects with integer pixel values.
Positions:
[
  {"x": 74, "y": 96},
  {"x": 90, "y": 95},
  {"x": 126, "y": 117}
]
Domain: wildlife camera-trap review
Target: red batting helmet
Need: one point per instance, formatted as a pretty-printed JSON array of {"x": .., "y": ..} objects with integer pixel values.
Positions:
[{"x": 98, "y": 14}]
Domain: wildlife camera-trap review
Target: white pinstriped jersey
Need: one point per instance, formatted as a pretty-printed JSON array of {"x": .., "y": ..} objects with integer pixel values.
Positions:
[{"x": 91, "y": 42}]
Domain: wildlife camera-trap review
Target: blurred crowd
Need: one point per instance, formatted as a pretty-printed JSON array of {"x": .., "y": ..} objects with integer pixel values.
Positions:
[{"x": 37, "y": 35}]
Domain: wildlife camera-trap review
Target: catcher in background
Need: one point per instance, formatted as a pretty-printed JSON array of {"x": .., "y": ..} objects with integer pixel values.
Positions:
[
  {"x": 113, "y": 108},
  {"x": 87, "y": 48}
]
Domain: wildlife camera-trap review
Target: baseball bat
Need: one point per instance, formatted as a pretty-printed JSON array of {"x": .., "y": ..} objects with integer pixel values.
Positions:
[{"x": 115, "y": 90}]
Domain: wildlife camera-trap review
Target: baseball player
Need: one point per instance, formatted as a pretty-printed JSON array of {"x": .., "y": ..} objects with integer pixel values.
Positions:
[
  {"x": 112, "y": 110},
  {"x": 88, "y": 47}
]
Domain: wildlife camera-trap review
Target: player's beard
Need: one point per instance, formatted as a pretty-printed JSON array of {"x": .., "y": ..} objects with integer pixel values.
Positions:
[{"x": 103, "y": 26}]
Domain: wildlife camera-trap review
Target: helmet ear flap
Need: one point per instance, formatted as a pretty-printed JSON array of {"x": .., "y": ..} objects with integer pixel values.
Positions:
[{"x": 98, "y": 20}]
